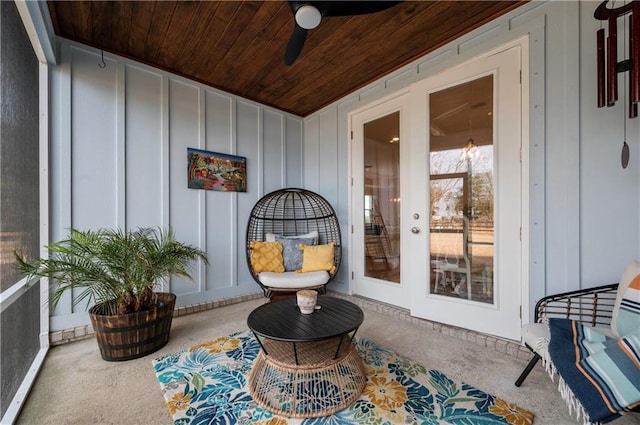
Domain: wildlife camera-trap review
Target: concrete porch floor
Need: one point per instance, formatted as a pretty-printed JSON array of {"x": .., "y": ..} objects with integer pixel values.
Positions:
[{"x": 75, "y": 386}]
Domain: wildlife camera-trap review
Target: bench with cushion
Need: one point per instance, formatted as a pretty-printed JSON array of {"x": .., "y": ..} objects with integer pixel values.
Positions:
[{"x": 590, "y": 339}]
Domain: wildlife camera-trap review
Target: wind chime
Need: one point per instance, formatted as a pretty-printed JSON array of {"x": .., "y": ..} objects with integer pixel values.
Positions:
[{"x": 609, "y": 68}]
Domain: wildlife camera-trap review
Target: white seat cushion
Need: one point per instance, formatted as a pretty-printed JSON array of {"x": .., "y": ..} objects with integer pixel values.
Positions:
[
  {"x": 536, "y": 336},
  {"x": 292, "y": 280}
]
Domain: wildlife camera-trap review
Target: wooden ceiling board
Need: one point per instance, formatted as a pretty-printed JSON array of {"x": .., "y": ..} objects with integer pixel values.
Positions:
[
  {"x": 82, "y": 19},
  {"x": 123, "y": 14},
  {"x": 150, "y": 21},
  {"x": 262, "y": 49},
  {"x": 314, "y": 60},
  {"x": 191, "y": 44},
  {"x": 376, "y": 63},
  {"x": 208, "y": 53},
  {"x": 372, "y": 65},
  {"x": 140, "y": 28},
  {"x": 250, "y": 42},
  {"x": 374, "y": 35},
  {"x": 61, "y": 22},
  {"x": 239, "y": 46},
  {"x": 171, "y": 53}
]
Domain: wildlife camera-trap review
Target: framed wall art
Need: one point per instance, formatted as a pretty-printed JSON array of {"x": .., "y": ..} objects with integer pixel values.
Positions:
[{"x": 216, "y": 171}]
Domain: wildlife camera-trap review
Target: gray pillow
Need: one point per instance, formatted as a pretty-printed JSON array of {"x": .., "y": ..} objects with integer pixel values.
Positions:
[
  {"x": 291, "y": 253},
  {"x": 271, "y": 237}
]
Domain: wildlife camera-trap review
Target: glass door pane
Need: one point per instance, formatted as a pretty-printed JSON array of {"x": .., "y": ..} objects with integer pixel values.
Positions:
[
  {"x": 461, "y": 191},
  {"x": 382, "y": 198}
]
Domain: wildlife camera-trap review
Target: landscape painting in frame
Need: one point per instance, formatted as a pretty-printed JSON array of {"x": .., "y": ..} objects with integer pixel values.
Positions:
[{"x": 216, "y": 171}]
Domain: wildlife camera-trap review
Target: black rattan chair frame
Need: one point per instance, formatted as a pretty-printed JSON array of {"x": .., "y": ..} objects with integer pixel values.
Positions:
[{"x": 293, "y": 212}]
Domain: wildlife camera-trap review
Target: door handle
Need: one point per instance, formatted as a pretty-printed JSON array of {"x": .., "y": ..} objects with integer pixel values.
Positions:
[{"x": 415, "y": 230}]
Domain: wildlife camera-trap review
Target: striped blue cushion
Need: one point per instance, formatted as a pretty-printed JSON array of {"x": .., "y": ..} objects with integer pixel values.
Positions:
[
  {"x": 615, "y": 372},
  {"x": 602, "y": 373}
]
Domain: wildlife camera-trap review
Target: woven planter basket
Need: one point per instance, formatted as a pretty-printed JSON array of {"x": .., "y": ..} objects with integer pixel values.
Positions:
[{"x": 129, "y": 336}]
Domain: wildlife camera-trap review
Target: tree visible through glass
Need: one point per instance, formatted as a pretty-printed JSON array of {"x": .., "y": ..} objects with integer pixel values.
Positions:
[{"x": 461, "y": 196}]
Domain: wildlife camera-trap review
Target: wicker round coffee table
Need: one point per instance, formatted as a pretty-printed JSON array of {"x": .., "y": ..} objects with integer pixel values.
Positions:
[{"x": 308, "y": 365}]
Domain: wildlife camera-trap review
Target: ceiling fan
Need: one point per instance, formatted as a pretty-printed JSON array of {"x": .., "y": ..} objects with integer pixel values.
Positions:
[{"x": 308, "y": 15}]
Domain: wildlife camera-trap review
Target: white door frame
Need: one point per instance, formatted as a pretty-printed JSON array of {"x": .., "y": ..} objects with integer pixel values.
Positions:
[
  {"x": 523, "y": 43},
  {"x": 502, "y": 316},
  {"x": 392, "y": 293}
]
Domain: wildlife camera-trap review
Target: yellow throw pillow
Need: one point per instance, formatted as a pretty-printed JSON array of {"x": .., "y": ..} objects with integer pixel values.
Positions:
[
  {"x": 317, "y": 257},
  {"x": 266, "y": 257}
]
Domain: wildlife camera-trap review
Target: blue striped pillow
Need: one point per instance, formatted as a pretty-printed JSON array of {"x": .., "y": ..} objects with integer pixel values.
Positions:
[
  {"x": 615, "y": 373},
  {"x": 628, "y": 322}
]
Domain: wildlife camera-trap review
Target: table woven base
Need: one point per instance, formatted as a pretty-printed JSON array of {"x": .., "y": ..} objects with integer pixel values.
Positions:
[{"x": 309, "y": 389}]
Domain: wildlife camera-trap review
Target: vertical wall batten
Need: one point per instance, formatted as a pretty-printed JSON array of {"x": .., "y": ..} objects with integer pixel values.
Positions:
[
  {"x": 164, "y": 164},
  {"x": 233, "y": 206},
  {"x": 311, "y": 152},
  {"x": 294, "y": 153},
  {"x": 166, "y": 219},
  {"x": 202, "y": 207},
  {"x": 121, "y": 170},
  {"x": 328, "y": 155},
  {"x": 283, "y": 151},
  {"x": 62, "y": 211},
  {"x": 44, "y": 198},
  {"x": 261, "y": 152},
  {"x": 536, "y": 155}
]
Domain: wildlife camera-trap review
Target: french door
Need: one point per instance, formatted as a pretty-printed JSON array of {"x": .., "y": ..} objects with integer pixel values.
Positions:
[
  {"x": 437, "y": 177},
  {"x": 380, "y": 136}
]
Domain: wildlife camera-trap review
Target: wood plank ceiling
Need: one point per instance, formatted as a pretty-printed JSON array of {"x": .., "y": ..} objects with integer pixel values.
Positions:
[{"x": 238, "y": 46}]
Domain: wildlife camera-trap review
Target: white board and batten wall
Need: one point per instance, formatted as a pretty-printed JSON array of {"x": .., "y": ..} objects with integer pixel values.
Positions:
[
  {"x": 119, "y": 139},
  {"x": 583, "y": 225}
]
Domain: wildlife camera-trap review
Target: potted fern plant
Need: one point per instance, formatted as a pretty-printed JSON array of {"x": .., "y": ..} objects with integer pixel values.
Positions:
[{"x": 116, "y": 273}]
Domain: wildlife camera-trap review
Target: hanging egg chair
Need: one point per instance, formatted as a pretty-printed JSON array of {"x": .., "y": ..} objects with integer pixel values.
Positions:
[{"x": 293, "y": 241}]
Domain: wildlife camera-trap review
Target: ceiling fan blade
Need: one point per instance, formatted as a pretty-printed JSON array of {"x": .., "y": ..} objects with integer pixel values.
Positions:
[
  {"x": 344, "y": 8},
  {"x": 295, "y": 45},
  {"x": 350, "y": 8},
  {"x": 295, "y": 5},
  {"x": 326, "y": 8}
]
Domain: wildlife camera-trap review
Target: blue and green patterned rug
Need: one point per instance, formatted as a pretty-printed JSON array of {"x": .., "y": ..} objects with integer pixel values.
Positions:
[{"x": 206, "y": 384}]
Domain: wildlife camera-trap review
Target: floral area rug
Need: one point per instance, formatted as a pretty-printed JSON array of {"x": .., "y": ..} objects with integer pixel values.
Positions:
[{"x": 206, "y": 384}]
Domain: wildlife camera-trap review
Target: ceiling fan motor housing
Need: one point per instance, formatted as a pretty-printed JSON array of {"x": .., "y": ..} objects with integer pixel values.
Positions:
[{"x": 308, "y": 16}]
